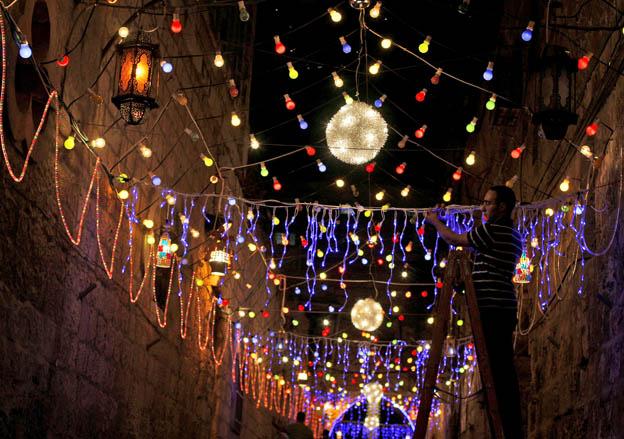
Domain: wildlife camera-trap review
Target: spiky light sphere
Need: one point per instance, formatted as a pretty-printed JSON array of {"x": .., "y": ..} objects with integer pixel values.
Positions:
[
  {"x": 356, "y": 133},
  {"x": 367, "y": 315}
]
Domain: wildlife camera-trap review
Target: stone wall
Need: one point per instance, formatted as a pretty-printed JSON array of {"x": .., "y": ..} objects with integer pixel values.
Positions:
[
  {"x": 77, "y": 358},
  {"x": 569, "y": 357}
]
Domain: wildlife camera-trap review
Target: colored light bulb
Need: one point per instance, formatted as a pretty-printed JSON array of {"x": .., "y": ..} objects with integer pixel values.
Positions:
[
  {"x": 208, "y": 161},
  {"x": 235, "y": 120},
  {"x": 421, "y": 95},
  {"x": 527, "y": 34},
  {"x": 488, "y": 74},
  {"x": 280, "y": 49},
  {"x": 348, "y": 99},
  {"x": 457, "y": 175},
  {"x": 338, "y": 82},
  {"x": 380, "y": 101},
  {"x": 310, "y": 150},
  {"x": 70, "y": 142},
  {"x": 517, "y": 152},
  {"x": 491, "y": 103},
  {"x": 346, "y": 48},
  {"x": 375, "y": 10},
  {"x": 403, "y": 142},
  {"x": 380, "y": 196},
  {"x": 232, "y": 89},
  {"x": 472, "y": 125},
  {"x": 290, "y": 104},
  {"x": 321, "y": 165},
  {"x": 123, "y": 32},
  {"x": 145, "y": 151},
  {"x": 447, "y": 195},
  {"x": 420, "y": 132},
  {"x": 302, "y": 123},
  {"x": 243, "y": 14},
  {"x": 292, "y": 73},
  {"x": 424, "y": 46},
  {"x": 155, "y": 179},
  {"x": 276, "y": 184},
  {"x": 253, "y": 142},
  {"x": 406, "y": 190},
  {"x": 334, "y": 15},
  {"x": 63, "y": 61},
  {"x": 435, "y": 79},
  {"x": 218, "y": 60},
  {"x": 400, "y": 169},
  {"x": 592, "y": 129},
  {"x": 176, "y": 24},
  {"x": 470, "y": 160},
  {"x": 583, "y": 61},
  {"x": 374, "y": 68},
  {"x": 386, "y": 43},
  {"x": 370, "y": 167},
  {"x": 25, "y": 51},
  {"x": 166, "y": 66},
  {"x": 263, "y": 170},
  {"x": 98, "y": 143},
  {"x": 340, "y": 182},
  {"x": 586, "y": 151},
  {"x": 565, "y": 185}
]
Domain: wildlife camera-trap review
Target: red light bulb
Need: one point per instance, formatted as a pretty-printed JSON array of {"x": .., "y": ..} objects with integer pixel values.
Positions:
[
  {"x": 276, "y": 184},
  {"x": 421, "y": 230},
  {"x": 310, "y": 150},
  {"x": 290, "y": 104},
  {"x": 400, "y": 169},
  {"x": 176, "y": 24},
  {"x": 421, "y": 95},
  {"x": 265, "y": 314},
  {"x": 457, "y": 174},
  {"x": 380, "y": 261},
  {"x": 435, "y": 79},
  {"x": 439, "y": 284},
  {"x": 280, "y": 49},
  {"x": 370, "y": 167},
  {"x": 591, "y": 129},
  {"x": 515, "y": 153},
  {"x": 424, "y": 293},
  {"x": 583, "y": 61},
  {"x": 420, "y": 132},
  {"x": 63, "y": 61},
  {"x": 401, "y": 317},
  {"x": 300, "y": 307}
]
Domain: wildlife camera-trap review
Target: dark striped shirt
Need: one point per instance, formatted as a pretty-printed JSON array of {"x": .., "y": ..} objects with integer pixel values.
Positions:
[{"x": 498, "y": 246}]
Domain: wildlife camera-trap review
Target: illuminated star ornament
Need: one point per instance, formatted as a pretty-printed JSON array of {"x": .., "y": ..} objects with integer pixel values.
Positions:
[{"x": 356, "y": 133}]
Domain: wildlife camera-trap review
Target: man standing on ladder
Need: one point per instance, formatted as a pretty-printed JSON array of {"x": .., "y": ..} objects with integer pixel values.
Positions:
[{"x": 497, "y": 246}]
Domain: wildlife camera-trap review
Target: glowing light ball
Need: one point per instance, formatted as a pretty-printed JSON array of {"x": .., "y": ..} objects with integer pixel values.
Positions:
[
  {"x": 367, "y": 315},
  {"x": 356, "y": 133}
]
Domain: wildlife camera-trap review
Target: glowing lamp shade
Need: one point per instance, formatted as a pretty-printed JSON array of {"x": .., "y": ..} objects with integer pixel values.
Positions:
[
  {"x": 523, "y": 270},
  {"x": 219, "y": 262},
  {"x": 367, "y": 315},
  {"x": 163, "y": 252},
  {"x": 136, "y": 59},
  {"x": 356, "y": 133}
]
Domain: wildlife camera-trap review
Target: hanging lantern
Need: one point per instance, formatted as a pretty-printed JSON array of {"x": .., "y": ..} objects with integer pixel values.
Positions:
[
  {"x": 219, "y": 262},
  {"x": 135, "y": 75},
  {"x": 523, "y": 270},
  {"x": 557, "y": 74},
  {"x": 367, "y": 315},
  {"x": 164, "y": 253}
]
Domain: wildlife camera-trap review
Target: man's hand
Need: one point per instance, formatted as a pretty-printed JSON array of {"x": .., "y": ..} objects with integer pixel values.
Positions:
[{"x": 432, "y": 215}]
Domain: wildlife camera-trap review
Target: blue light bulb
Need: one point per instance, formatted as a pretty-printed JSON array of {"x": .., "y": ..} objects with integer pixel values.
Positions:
[
  {"x": 346, "y": 48},
  {"x": 297, "y": 290},
  {"x": 322, "y": 167},
  {"x": 156, "y": 180},
  {"x": 240, "y": 239},
  {"x": 303, "y": 124},
  {"x": 364, "y": 261},
  {"x": 378, "y": 103},
  {"x": 231, "y": 201},
  {"x": 324, "y": 287},
  {"x": 166, "y": 66},
  {"x": 488, "y": 74},
  {"x": 527, "y": 34},
  {"x": 25, "y": 51}
]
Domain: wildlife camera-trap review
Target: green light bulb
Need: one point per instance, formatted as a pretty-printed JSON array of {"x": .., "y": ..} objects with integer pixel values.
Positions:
[{"x": 490, "y": 105}]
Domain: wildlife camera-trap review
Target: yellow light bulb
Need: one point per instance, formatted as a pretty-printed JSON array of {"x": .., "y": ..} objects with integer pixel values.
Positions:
[
  {"x": 430, "y": 321},
  {"x": 470, "y": 160},
  {"x": 340, "y": 182},
  {"x": 148, "y": 223},
  {"x": 375, "y": 10},
  {"x": 338, "y": 82},
  {"x": 208, "y": 162},
  {"x": 123, "y": 194},
  {"x": 348, "y": 99},
  {"x": 334, "y": 15},
  {"x": 218, "y": 61},
  {"x": 123, "y": 32},
  {"x": 235, "y": 119},
  {"x": 98, "y": 143},
  {"x": 374, "y": 68},
  {"x": 379, "y": 195},
  {"x": 150, "y": 239},
  {"x": 405, "y": 191},
  {"x": 549, "y": 211},
  {"x": 69, "y": 143},
  {"x": 386, "y": 43},
  {"x": 253, "y": 142},
  {"x": 565, "y": 185},
  {"x": 174, "y": 247},
  {"x": 146, "y": 152}
]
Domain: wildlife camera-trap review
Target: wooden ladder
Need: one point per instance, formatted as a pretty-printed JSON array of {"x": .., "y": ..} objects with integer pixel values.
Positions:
[{"x": 458, "y": 270}]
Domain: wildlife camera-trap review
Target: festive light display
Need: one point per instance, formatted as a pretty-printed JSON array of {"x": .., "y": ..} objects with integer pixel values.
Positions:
[
  {"x": 522, "y": 274},
  {"x": 280, "y": 49},
  {"x": 386, "y": 43},
  {"x": 527, "y": 34},
  {"x": 424, "y": 46},
  {"x": 346, "y": 48},
  {"x": 335, "y": 16},
  {"x": 292, "y": 73},
  {"x": 367, "y": 315},
  {"x": 374, "y": 68},
  {"x": 471, "y": 158},
  {"x": 380, "y": 101},
  {"x": 218, "y": 60},
  {"x": 338, "y": 82},
  {"x": 356, "y": 133},
  {"x": 517, "y": 152},
  {"x": 488, "y": 74}
]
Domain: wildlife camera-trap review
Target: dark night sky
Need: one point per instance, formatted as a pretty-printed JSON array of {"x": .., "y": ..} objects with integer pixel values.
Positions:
[{"x": 462, "y": 44}]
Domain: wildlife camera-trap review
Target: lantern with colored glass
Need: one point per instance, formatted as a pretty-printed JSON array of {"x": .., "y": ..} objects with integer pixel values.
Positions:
[
  {"x": 163, "y": 252},
  {"x": 137, "y": 60},
  {"x": 523, "y": 270},
  {"x": 219, "y": 262}
]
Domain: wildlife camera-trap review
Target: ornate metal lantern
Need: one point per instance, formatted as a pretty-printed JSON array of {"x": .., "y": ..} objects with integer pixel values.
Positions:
[
  {"x": 219, "y": 262},
  {"x": 163, "y": 252},
  {"x": 555, "y": 100},
  {"x": 138, "y": 65},
  {"x": 523, "y": 270}
]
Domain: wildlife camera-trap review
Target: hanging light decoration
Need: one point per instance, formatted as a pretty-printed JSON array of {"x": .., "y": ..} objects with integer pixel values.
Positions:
[
  {"x": 359, "y": 4},
  {"x": 219, "y": 262},
  {"x": 373, "y": 392},
  {"x": 163, "y": 252},
  {"x": 136, "y": 58},
  {"x": 523, "y": 270},
  {"x": 356, "y": 133},
  {"x": 367, "y": 315}
]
